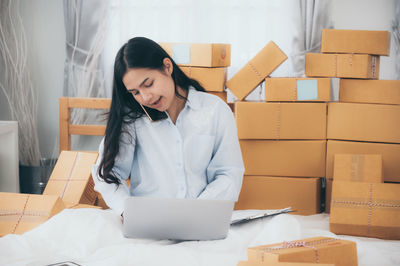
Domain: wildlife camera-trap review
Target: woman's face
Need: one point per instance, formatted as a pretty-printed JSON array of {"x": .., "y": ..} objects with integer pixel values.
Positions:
[{"x": 152, "y": 88}]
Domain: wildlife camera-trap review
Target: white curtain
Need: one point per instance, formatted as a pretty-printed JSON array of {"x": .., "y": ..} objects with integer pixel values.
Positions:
[
  {"x": 312, "y": 17},
  {"x": 247, "y": 25},
  {"x": 396, "y": 38},
  {"x": 86, "y": 28}
]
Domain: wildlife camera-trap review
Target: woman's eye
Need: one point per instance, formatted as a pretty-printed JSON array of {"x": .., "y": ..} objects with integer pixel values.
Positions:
[{"x": 149, "y": 85}]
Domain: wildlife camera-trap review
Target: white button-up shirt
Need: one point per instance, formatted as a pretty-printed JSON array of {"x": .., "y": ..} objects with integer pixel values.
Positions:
[{"x": 198, "y": 157}]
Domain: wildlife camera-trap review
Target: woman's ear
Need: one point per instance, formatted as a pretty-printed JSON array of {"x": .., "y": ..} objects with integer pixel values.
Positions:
[{"x": 168, "y": 66}]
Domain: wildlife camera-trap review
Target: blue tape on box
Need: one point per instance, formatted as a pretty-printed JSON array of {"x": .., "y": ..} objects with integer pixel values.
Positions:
[
  {"x": 307, "y": 89},
  {"x": 181, "y": 53}
]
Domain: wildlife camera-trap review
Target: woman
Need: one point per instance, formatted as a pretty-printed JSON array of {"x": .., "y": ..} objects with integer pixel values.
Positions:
[{"x": 165, "y": 134}]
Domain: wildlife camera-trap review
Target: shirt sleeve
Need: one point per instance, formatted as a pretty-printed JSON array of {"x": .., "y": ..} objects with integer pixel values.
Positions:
[
  {"x": 225, "y": 171},
  {"x": 115, "y": 196}
]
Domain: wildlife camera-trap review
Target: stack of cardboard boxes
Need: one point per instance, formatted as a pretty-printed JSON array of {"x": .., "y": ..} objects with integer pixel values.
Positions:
[
  {"x": 206, "y": 63},
  {"x": 310, "y": 251},
  {"x": 283, "y": 140},
  {"x": 70, "y": 186},
  {"x": 365, "y": 120}
]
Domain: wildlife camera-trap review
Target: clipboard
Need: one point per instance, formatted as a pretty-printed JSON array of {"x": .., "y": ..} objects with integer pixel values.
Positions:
[{"x": 247, "y": 218}]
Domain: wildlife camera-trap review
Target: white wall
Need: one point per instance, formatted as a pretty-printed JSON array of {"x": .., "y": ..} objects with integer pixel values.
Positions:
[{"x": 44, "y": 24}]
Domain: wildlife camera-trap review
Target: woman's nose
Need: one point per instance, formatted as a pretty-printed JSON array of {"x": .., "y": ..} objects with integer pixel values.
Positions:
[{"x": 146, "y": 97}]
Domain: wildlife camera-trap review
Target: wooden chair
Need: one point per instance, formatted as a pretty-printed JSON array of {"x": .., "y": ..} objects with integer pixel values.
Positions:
[{"x": 67, "y": 129}]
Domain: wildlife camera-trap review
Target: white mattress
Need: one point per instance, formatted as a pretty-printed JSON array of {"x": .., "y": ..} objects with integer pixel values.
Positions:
[{"x": 93, "y": 237}]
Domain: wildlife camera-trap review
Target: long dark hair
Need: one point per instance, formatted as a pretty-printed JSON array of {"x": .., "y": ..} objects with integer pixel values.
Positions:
[{"x": 138, "y": 52}]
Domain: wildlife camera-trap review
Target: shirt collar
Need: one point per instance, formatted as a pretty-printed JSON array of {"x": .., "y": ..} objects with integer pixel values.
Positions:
[{"x": 193, "y": 99}]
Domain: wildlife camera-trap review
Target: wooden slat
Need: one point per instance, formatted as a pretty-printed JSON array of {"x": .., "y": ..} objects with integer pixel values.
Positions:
[
  {"x": 89, "y": 103},
  {"x": 64, "y": 135},
  {"x": 95, "y": 130}
]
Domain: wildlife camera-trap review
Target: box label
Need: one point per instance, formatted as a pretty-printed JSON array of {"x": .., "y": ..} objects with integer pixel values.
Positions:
[
  {"x": 307, "y": 90},
  {"x": 181, "y": 53}
]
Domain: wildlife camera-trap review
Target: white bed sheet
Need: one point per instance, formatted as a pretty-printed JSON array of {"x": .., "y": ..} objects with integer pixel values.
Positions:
[{"x": 93, "y": 237}]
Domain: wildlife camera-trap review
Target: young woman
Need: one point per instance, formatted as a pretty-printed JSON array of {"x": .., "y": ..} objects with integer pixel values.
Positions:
[{"x": 165, "y": 134}]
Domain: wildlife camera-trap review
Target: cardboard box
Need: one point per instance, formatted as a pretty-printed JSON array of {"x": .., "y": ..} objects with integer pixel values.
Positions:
[
  {"x": 355, "y": 42},
  {"x": 328, "y": 195},
  {"x": 85, "y": 206},
  {"x": 284, "y": 157},
  {"x": 256, "y": 70},
  {"x": 298, "y": 89},
  {"x": 265, "y": 192},
  {"x": 20, "y": 213},
  {"x": 100, "y": 202},
  {"x": 317, "y": 250},
  {"x": 365, "y": 209},
  {"x": 260, "y": 120},
  {"x": 342, "y": 66},
  {"x": 390, "y": 156},
  {"x": 258, "y": 263},
  {"x": 364, "y": 122},
  {"x": 211, "y": 78},
  {"x": 358, "y": 167},
  {"x": 71, "y": 178},
  {"x": 220, "y": 94},
  {"x": 199, "y": 54},
  {"x": 369, "y": 91}
]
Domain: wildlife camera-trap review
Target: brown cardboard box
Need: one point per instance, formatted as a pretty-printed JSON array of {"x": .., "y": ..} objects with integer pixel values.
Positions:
[
  {"x": 342, "y": 65},
  {"x": 211, "y": 78},
  {"x": 284, "y": 157},
  {"x": 20, "y": 213},
  {"x": 199, "y": 54},
  {"x": 259, "y": 263},
  {"x": 85, "y": 206},
  {"x": 298, "y": 89},
  {"x": 364, "y": 122},
  {"x": 265, "y": 192},
  {"x": 365, "y": 209},
  {"x": 220, "y": 94},
  {"x": 369, "y": 91},
  {"x": 328, "y": 195},
  {"x": 355, "y": 42},
  {"x": 390, "y": 156},
  {"x": 71, "y": 178},
  {"x": 100, "y": 202},
  {"x": 256, "y": 70},
  {"x": 318, "y": 250},
  {"x": 260, "y": 120},
  {"x": 358, "y": 167}
]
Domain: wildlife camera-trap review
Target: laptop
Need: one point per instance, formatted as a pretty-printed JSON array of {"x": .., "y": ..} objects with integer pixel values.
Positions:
[{"x": 176, "y": 219}]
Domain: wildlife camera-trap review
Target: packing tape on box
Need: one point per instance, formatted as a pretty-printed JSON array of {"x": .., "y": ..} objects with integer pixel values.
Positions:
[
  {"x": 255, "y": 70},
  {"x": 299, "y": 244},
  {"x": 351, "y": 203},
  {"x": 22, "y": 213},
  {"x": 278, "y": 122},
  {"x": 357, "y": 168},
  {"x": 69, "y": 179},
  {"x": 373, "y": 64}
]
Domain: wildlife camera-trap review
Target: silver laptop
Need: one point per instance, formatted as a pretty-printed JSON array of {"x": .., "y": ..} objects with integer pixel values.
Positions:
[{"x": 178, "y": 219}]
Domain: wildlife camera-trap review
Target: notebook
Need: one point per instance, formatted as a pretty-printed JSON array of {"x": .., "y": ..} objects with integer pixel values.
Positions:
[{"x": 176, "y": 219}]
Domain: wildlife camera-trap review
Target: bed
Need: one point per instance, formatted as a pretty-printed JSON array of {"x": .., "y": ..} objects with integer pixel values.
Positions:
[{"x": 94, "y": 237}]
